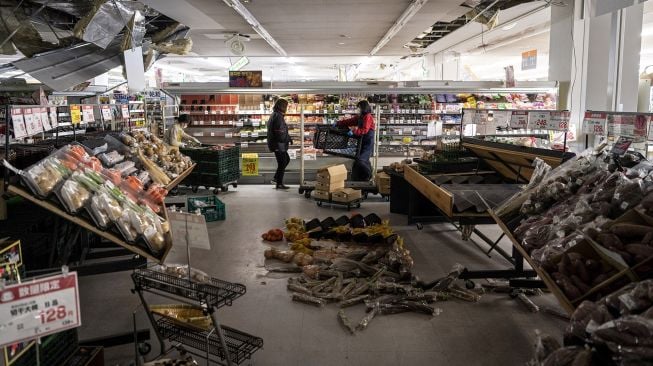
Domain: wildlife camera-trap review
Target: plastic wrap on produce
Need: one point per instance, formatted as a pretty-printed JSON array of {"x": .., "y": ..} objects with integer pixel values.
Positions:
[{"x": 103, "y": 23}]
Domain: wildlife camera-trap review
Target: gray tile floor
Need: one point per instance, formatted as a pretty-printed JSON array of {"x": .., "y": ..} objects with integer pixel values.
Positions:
[{"x": 495, "y": 331}]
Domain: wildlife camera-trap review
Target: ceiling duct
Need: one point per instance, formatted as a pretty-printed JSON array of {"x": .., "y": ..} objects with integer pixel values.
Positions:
[{"x": 104, "y": 29}]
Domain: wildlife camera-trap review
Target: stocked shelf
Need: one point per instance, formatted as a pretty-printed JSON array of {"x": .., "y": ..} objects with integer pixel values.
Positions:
[
  {"x": 240, "y": 345},
  {"x": 86, "y": 224},
  {"x": 214, "y": 292}
]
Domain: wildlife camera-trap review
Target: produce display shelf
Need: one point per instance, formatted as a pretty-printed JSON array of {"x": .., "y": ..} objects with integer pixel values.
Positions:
[
  {"x": 175, "y": 182},
  {"x": 86, "y": 224},
  {"x": 240, "y": 345},
  {"x": 215, "y": 292}
]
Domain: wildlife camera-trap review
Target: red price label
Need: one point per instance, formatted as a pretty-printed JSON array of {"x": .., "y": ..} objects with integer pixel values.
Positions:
[
  {"x": 540, "y": 123},
  {"x": 52, "y": 315}
]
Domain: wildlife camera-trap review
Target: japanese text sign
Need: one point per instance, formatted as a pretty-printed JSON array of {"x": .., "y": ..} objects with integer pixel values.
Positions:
[{"x": 38, "y": 308}]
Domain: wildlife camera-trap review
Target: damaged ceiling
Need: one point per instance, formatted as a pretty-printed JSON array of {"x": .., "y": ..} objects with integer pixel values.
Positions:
[
  {"x": 66, "y": 43},
  {"x": 482, "y": 11}
]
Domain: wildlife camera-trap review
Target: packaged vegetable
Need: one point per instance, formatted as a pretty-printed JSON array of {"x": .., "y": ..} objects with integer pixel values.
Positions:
[
  {"x": 111, "y": 158},
  {"x": 73, "y": 195},
  {"x": 98, "y": 212},
  {"x": 45, "y": 175},
  {"x": 125, "y": 226}
]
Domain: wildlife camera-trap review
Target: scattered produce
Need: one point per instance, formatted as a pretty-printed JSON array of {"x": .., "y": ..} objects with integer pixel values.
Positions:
[
  {"x": 344, "y": 320},
  {"x": 273, "y": 235}
]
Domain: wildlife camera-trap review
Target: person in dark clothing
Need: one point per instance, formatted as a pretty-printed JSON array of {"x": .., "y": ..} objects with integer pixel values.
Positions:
[
  {"x": 364, "y": 127},
  {"x": 279, "y": 140}
]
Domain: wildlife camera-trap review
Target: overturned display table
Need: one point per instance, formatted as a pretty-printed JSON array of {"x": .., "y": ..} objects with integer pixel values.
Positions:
[{"x": 464, "y": 197}]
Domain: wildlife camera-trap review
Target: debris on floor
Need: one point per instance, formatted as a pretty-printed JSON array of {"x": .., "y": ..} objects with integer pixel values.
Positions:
[{"x": 359, "y": 260}]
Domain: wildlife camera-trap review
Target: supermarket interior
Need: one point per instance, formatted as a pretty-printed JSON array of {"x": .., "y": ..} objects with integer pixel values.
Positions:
[{"x": 287, "y": 182}]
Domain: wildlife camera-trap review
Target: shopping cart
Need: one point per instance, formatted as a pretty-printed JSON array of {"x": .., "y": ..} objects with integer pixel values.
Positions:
[{"x": 337, "y": 142}]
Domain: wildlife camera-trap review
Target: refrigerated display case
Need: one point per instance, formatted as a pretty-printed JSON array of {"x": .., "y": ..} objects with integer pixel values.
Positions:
[{"x": 411, "y": 116}]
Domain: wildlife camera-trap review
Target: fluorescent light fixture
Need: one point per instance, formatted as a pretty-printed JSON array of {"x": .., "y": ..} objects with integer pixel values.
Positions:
[
  {"x": 214, "y": 61},
  {"x": 404, "y": 18},
  {"x": 254, "y": 23},
  {"x": 509, "y": 26},
  {"x": 177, "y": 69}
]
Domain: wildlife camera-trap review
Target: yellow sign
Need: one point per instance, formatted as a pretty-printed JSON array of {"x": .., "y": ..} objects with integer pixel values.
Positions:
[
  {"x": 75, "y": 114},
  {"x": 250, "y": 164}
]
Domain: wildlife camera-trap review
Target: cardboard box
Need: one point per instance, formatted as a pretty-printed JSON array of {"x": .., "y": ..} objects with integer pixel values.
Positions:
[
  {"x": 383, "y": 183},
  {"x": 322, "y": 195},
  {"x": 332, "y": 174},
  {"x": 346, "y": 195},
  {"x": 329, "y": 187}
]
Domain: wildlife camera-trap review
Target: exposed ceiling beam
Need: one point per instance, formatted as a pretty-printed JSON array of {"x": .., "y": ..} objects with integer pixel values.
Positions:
[
  {"x": 254, "y": 23},
  {"x": 403, "y": 19}
]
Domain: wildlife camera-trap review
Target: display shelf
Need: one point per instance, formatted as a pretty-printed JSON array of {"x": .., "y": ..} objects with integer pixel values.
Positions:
[
  {"x": 87, "y": 225},
  {"x": 175, "y": 182},
  {"x": 240, "y": 345},
  {"x": 214, "y": 293}
]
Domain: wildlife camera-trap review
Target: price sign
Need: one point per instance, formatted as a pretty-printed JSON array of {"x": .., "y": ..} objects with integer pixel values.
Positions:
[
  {"x": 76, "y": 114},
  {"x": 239, "y": 124},
  {"x": 87, "y": 114},
  {"x": 639, "y": 130},
  {"x": 501, "y": 118},
  {"x": 38, "y": 308},
  {"x": 594, "y": 123},
  {"x": 54, "y": 121},
  {"x": 539, "y": 120},
  {"x": 559, "y": 121},
  {"x": 124, "y": 111},
  {"x": 30, "y": 124},
  {"x": 519, "y": 119},
  {"x": 623, "y": 124},
  {"x": 106, "y": 113},
  {"x": 43, "y": 112},
  {"x": 190, "y": 228},
  {"x": 36, "y": 115},
  {"x": 250, "y": 164}
]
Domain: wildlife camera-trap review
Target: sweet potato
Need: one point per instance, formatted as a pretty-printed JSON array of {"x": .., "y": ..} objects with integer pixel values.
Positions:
[
  {"x": 580, "y": 284},
  {"x": 567, "y": 286},
  {"x": 626, "y": 230},
  {"x": 639, "y": 249},
  {"x": 648, "y": 239},
  {"x": 609, "y": 240},
  {"x": 564, "y": 265}
]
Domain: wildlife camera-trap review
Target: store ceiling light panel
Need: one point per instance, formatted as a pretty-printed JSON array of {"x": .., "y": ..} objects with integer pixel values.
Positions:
[{"x": 67, "y": 67}]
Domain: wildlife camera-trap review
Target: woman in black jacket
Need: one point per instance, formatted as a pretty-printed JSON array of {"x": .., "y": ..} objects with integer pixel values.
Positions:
[{"x": 279, "y": 140}]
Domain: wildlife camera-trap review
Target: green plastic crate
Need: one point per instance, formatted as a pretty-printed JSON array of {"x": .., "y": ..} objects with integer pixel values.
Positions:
[{"x": 210, "y": 207}]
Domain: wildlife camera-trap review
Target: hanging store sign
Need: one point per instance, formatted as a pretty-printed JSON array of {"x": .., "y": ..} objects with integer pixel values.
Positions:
[
  {"x": 529, "y": 60},
  {"x": 30, "y": 123},
  {"x": 38, "y": 308},
  {"x": 45, "y": 120},
  {"x": 87, "y": 114},
  {"x": 54, "y": 121},
  {"x": 246, "y": 79},
  {"x": 106, "y": 113},
  {"x": 250, "y": 164},
  {"x": 36, "y": 116},
  {"x": 519, "y": 120},
  {"x": 594, "y": 123},
  {"x": 18, "y": 123},
  {"x": 75, "y": 114},
  {"x": 124, "y": 109}
]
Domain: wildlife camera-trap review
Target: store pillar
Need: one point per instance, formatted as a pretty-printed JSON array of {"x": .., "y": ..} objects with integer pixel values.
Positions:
[{"x": 596, "y": 59}]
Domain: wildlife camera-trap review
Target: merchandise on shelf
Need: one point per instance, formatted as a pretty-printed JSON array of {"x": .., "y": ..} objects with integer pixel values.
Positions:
[
  {"x": 116, "y": 185},
  {"x": 585, "y": 226}
]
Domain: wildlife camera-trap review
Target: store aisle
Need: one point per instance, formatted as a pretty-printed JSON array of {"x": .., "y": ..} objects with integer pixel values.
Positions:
[{"x": 498, "y": 330}]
